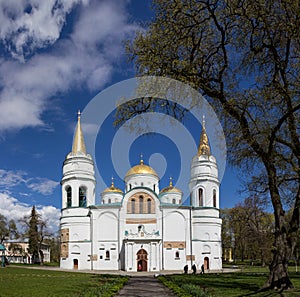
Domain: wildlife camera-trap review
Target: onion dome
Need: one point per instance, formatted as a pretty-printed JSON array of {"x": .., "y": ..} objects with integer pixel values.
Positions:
[
  {"x": 141, "y": 169},
  {"x": 204, "y": 148},
  {"x": 170, "y": 188},
  {"x": 112, "y": 188}
]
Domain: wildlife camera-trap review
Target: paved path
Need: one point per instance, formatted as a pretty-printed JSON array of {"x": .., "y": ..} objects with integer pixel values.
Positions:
[{"x": 144, "y": 286}]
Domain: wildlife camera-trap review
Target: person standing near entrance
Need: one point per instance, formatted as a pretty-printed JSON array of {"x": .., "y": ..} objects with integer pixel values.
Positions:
[{"x": 202, "y": 268}]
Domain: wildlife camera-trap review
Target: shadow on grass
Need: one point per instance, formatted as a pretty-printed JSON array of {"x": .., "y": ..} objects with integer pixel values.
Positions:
[{"x": 236, "y": 284}]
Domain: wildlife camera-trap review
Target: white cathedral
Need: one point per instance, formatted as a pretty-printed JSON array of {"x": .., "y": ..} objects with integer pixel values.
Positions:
[{"x": 140, "y": 228}]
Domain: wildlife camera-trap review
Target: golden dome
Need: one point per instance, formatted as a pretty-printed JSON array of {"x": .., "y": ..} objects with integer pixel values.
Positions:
[
  {"x": 170, "y": 189},
  {"x": 112, "y": 188},
  {"x": 141, "y": 169}
]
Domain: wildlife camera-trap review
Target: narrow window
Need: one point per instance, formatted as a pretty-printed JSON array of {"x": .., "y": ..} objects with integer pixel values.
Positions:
[
  {"x": 107, "y": 255},
  {"x": 132, "y": 205},
  {"x": 141, "y": 200},
  {"x": 177, "y": 255},
  {"x": 214, "y": 198},
  {"x": 82, "y": 197},
  {"x": 129, "y": 186},
  {"x": 69, "y": 196},
  {"x": 109, "y": 201},
  {"x": 149, "y": 205},
  {"x": 154, "y": 188},
  {"x": 142, "y": 184},
  {"x": 200, "y": 197},
  {"x": 174, "y": 201}
]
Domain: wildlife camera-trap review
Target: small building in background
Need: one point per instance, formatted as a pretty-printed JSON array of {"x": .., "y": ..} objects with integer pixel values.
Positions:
[{"x": 17, "y": 251}]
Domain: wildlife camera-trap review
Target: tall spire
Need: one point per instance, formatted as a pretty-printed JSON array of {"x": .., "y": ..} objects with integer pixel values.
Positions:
[
  {"x": 78, "y": 142},
  {"x": 203, "y": 148}
]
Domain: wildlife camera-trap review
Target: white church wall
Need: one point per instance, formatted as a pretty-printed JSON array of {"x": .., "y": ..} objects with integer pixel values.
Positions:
[
  {"x": 142, "y": 180},
  {"x": 176, "y": 229}
]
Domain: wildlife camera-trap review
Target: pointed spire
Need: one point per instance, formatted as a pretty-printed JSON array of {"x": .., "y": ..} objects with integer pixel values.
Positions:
[
  {"x": 203, "y": 148},
  {"x": 78, "y": 142}
]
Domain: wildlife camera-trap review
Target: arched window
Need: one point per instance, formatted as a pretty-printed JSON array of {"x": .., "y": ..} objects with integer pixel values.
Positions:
[
  {"x": 107, "y": 255},
  {"x": 141, "y": 200},
  {"x": 154, "y": 188},
  {"x": 82, "y": 197},
  {"x": 149, "y": 205},
  {"x": 109, "y": 201},
  {"x": 132, "y": 205},
  {"x": 214, "y": 198},
  {"x": 200, "y": 192},
  {"x": 174, "y": 201},
  {"x": 69, "y": 196},
  {"x": 177, "y": 255}
]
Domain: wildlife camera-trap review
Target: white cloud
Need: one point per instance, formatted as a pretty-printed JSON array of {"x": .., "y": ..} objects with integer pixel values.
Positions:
[
  {"x": 11, "y": 208},
  {"x": 85, "y": 58},
  {"x": 32, "y": 24},
  {"x": 10, "y": 179},
  {"x": 43, "y": 185}
]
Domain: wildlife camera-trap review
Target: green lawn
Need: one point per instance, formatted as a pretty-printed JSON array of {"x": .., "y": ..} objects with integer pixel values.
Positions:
[
  {"x": 24, "y": 282},
  {"x": 226, "y": 285}
]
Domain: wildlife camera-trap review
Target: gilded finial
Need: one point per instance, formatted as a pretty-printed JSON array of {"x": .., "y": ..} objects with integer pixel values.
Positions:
[
  {"x": 78, "y": 142},
  {"x": 141, "y": 160},
  {"x": 171, "y": 182},
  {"x": 204, "y": 148},
  {"x": 112, "y": 182}
]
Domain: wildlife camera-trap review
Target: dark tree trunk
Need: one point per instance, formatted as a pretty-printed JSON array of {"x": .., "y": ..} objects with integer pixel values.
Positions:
[
  {"x": 279, "y": 278},
  {"x": 283, "y": 244}
]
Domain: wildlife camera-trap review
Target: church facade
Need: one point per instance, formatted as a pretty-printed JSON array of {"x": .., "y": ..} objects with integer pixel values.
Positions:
[{"x": 143, "y": 227}]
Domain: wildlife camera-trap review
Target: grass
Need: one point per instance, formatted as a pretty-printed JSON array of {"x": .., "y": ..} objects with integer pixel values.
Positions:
[
  {"x": 23, "y": 282},
  {"x": 226, "y": 285}
]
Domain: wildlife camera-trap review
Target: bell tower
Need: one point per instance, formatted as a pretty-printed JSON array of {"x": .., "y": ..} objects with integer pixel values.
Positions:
[
  {"x": 204, "y": 182},
  {"x": 206, "y": 223},
  {"x": 78, "y": 182}
]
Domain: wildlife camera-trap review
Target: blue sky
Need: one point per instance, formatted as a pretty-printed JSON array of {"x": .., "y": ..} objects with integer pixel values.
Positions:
[{"x": 56, "y": 56}]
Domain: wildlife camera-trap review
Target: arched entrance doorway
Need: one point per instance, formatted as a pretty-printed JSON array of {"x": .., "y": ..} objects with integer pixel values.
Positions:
[
  {"x": 142, "y": 259},
  {"x": 206, "y": 263},
  {"x": 75, "y": 264}
]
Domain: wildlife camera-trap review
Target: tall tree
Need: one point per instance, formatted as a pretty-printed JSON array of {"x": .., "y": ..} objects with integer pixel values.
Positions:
[
  {"x": 34, "y": 235},
  {"x": 244, "y": 57},
  {"x": 8, "y": 229},
  {"x": 4, "y": 231}
]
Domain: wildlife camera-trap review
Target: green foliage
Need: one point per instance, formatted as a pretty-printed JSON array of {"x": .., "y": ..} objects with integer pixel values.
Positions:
[
  {"x": 195, "y": 291},
  {"x": 247, "y": 230},
  {"x": 24, "y": 282},
  {"x": 175, "y": 287}
]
